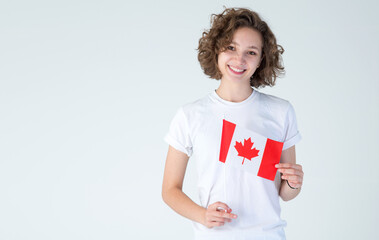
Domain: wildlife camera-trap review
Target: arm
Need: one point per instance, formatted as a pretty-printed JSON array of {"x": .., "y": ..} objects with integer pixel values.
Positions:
[
  {"x": 292, "y": 172},
  {"x": 172, "y": 194}
]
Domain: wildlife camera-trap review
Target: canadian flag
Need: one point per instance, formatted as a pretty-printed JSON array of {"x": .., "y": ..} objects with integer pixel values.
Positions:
[{"x": 249, "y": 151}]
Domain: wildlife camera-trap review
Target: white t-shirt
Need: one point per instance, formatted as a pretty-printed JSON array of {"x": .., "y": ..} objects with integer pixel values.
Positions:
[{"x": 196, "y": 130}]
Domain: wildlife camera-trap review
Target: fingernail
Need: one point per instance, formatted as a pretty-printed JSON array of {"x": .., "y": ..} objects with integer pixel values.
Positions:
[{"x": 276, "y": 165}]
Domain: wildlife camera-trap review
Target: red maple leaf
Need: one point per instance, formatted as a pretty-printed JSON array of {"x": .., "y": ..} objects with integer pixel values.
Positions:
[{"x": 246, "y": 150}]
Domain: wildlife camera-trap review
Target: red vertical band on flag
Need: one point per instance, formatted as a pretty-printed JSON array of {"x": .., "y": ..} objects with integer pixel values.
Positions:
[
  {"x": 271, "y": 156},
  {"x": 226, "y": 139}
]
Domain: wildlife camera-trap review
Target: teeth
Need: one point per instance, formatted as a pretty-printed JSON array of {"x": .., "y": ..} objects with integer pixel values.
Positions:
[{"x": 236, "y": 69}]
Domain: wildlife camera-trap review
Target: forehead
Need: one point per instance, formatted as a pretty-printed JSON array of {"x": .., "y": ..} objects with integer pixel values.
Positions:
[{"x": 246, "y": 37}]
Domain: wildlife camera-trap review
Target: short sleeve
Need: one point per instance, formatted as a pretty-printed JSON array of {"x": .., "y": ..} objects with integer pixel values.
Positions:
[
  {"x": 291, "y": 133},
  {"x": 178, "y": 135}
]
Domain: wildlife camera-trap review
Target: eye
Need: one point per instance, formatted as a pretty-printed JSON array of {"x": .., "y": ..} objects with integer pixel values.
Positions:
[
  {"x": 231, "y": 48},
  {"x": 251, "y": 53}
]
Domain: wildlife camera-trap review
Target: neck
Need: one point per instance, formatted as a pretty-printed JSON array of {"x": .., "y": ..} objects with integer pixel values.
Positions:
[{"x": 234, "y": 92}]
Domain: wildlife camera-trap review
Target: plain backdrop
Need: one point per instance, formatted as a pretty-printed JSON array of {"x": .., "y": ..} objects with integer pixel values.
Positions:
[{"x": 88, "y": 90}]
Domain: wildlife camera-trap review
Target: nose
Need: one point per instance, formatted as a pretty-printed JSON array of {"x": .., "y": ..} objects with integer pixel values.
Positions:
[{"x": 240, "y": 58}]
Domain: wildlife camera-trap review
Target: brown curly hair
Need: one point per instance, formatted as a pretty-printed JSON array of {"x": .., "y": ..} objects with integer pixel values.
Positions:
[{"x": 220, "y": 35}]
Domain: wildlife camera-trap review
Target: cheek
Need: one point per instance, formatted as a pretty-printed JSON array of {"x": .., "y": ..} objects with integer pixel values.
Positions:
[
  {"x": 254, "y": 62},
  {"x": 226, "y": 54},
  {"x": 221, "y": 56},
  {"x": 221, "y": 60}
]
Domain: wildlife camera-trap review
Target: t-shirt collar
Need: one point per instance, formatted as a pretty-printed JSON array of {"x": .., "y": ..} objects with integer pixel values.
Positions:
[{"x": 217, "y": 98}]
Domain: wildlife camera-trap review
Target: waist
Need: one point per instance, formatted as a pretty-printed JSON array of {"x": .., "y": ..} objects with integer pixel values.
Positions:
[{"x": 272, "y": 231}]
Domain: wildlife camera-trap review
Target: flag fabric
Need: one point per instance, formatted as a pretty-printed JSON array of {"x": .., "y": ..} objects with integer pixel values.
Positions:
[{"x": 249, "y": 151}]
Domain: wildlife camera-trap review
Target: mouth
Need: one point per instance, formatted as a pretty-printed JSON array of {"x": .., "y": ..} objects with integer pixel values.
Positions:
[{"x": 236, "y": 70}]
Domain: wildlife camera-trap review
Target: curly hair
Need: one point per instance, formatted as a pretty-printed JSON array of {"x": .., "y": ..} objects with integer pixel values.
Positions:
[{"x": 220, "y": 35}]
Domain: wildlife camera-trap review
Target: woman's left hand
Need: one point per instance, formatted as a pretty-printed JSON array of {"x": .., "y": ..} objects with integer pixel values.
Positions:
[{"x": 293, "y": 173}]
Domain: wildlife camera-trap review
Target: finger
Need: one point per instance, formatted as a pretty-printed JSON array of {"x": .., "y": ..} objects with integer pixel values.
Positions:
[
  {"x": 295, "y": 184},
  {"x": 226, "y": 215},
  {"x": 296, "y": 174},
  {"x": 215, "y": 224},
  {"x": 289, "y": 165},
  {"x": 219, "y": 206},
  {"x": 292, "y": 177},
  {"x": 289, "y": 171},
  {"x": 220, "y": 209},
  {"x": 218, "y": 219}
]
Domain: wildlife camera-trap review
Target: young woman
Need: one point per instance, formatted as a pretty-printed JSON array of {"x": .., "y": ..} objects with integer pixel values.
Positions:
[{"x": 240, "y": 50}]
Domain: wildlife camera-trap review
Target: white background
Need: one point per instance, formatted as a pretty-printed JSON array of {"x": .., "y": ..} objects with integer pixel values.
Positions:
[{"x": 88, "y": 89}]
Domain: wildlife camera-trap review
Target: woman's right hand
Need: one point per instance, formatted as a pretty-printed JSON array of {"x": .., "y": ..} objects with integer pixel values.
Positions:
[{"x": 217, "y": 214}]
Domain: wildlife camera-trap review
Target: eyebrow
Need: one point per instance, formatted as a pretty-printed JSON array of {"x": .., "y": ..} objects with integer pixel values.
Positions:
[{"x": 249, "y": 47}]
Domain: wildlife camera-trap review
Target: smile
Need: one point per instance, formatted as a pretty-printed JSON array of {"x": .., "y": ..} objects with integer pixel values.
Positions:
[{"x": 236, "y": 70}]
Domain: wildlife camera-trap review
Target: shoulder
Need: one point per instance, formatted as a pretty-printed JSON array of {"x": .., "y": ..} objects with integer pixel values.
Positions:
[
  {"x": 274, "y": 104},
  {"x": 196, "y": 107}
]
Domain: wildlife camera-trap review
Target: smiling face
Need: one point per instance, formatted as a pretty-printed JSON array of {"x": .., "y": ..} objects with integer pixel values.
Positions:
[{"x": 242, "y": 56}]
